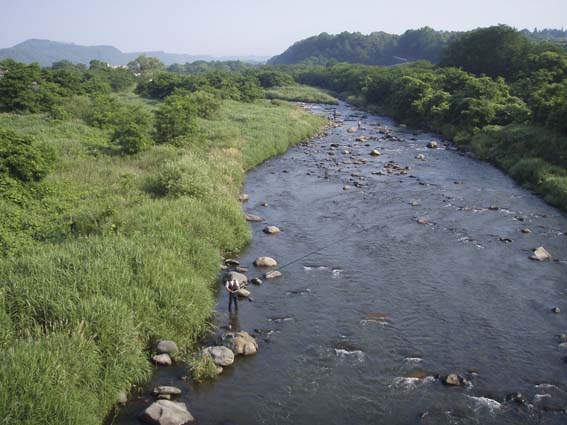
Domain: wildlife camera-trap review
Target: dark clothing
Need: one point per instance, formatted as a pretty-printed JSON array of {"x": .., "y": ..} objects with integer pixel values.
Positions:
[{"x": 232, "y": 297}]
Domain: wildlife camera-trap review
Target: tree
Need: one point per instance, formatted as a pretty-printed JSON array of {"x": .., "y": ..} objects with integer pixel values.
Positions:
[
  {"x": 146, "y": 66},
  {"x": 175, "y": 118},
  {"x": 22, "y": 158}
]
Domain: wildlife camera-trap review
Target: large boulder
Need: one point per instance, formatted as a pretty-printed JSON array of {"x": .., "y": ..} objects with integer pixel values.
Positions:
[
  {"x": 166, "y": 347},
  {"x": 242, "y": 279},
  {"x": 540, "y": 254},
  {"x": 265, "y": 262},
  {"x": 165, "y": 412},
  {"x": 241, "y": 343},
  {"x": 222, "y": 356}
]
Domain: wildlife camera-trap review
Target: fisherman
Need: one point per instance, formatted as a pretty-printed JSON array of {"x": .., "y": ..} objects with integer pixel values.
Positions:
[
  {"x": 359, "y": 124},
  {"x": 232, "y": 288},
  {"x": 334, "y": 115}
]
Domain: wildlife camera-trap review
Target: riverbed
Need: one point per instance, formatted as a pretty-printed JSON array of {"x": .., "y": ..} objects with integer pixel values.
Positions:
[{"x": 375, "y": 305}]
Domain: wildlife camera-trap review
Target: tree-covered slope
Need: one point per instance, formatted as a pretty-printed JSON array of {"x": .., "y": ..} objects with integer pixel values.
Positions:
[{"x": 377, "y": 48}]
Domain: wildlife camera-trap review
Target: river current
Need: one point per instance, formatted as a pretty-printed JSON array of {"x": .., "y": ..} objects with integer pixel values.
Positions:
[{"x": 357, "y": 331}]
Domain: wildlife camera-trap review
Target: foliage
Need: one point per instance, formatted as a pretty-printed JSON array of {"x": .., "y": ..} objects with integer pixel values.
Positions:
[
  {"x": 377, "y": 48},
  {"x": 301, "y": 93},
  {"x": 203, "y": 67},
  {"x": 131, "y": 138},
  {"x": 202, "y": 367},
  {"x": 175, "y": 117},
  {"x": 146, "y": 66},
  {"x": 97, "y": 268},
  {"x": 21, "y": 158}
]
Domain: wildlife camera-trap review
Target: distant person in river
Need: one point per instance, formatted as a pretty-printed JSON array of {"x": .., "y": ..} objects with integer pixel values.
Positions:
[
  {"x": 335, "y": 115},
  {"x": 359, "y": 124},
  {"x": 232, "y": 288}
]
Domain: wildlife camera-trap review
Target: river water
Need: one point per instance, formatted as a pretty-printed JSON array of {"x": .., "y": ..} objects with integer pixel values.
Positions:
[{"x": 353, "y": 333}]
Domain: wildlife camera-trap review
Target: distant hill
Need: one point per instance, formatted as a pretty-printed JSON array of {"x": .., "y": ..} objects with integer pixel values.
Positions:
[
  {"x": 377, "y": 48},
  {"x": 45, "y": 52}
]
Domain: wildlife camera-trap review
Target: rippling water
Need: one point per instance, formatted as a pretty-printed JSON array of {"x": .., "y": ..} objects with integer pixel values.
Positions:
[{"x": 354, "y": 334}]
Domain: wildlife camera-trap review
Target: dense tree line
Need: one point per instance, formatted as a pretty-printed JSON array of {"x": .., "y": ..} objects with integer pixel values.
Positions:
[{"x": 377, "y": 48}]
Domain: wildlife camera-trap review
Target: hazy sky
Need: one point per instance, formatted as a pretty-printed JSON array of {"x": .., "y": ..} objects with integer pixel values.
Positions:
[{"x": 258, "y": 27}]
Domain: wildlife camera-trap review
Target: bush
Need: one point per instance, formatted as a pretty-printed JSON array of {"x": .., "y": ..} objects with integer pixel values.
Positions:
[
  {"x": 175, "y": 117},
  {"x": 206, "y": 103},
  {"x": 131, "y": 139},
  {"x": 188, "y": 176},
  {"x": 202, "y": 367},
  {"x": 23, "y": 158}
]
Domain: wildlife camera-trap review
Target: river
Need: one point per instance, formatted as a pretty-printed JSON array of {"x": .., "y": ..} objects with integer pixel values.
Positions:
[{"x": 355, "y": 332}]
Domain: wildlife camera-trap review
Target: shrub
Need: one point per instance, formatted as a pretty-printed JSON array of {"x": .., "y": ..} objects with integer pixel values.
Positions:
[
  {"x": 23, "y": 158},
  {"x": 175, "y": 117},
  {"x": 131, "y": 138},
  {"x": 202, "y": 367},
  {"x": 206, "y": 103},
  {"x": 188, "y": 176}
]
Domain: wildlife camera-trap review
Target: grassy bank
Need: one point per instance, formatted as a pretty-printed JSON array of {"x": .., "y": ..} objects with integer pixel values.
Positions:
[
  {"x": 301, "y": 93},
  {"x": 112, "y": 252},
  {"x": 533, "y": 156}
]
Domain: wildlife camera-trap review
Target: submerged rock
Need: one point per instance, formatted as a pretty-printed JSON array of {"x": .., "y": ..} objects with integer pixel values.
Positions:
[
  {"x": 243, "y": 197},
  {"x": 166, "y": 390},
  {"x": 231, "y": 262},
  {"x": 241, "y": 343},
  {"x": 352, "y": 130},
  {"x": 540, "y": 254},
  {"x": 253, "y": 218},
  {"x": 454, "y": 380},
  {"x": 221, "y": 355},
  {"x": 375, "y": 152},
  {"x": 165, "y": 412},
  {"x": 432, "y": 145},
  {"x": 420, "y": 156},
  {"x": 256, "y": 281},
  {"x": 265, "y": 262},
  {"x": 423, "y": 220},
  {"x": 244, "y": 293},
  {"x": 272, "y": 275}
]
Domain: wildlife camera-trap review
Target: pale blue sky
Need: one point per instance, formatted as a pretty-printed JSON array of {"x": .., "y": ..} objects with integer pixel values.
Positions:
[{"x": 258, "y": 27}]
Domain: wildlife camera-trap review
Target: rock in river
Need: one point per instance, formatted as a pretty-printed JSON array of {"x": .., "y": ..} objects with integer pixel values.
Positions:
[
  {"x": 239, "y": 277},
  {"x": 265, "y": 262},
  {"x": 420, "y": 156},
  {"x": 166, "y": 347},
  {"x": 241, "y": 343},
  {"x": 375, "y": 152},
  {"x": 272, "y": 275},
  {"x": 423, "y": 220},
  {"x": 222, "y": 356},
  {"x": 540, "y": 254},
  {"x": 454, "y": 380},
  {"x": 244, "y": 293},
  {"x": 271, "y": 230},
  {"x": 165, "y": 412},
  {"x": 162, "y": 360},
  {"x": 243, "y": 197},
  {"x": 253, "y": 218},
  {"x": 352, "y": 130},
  {"x": 432, "y": 145},
  {"x": 166, "y": 390}
]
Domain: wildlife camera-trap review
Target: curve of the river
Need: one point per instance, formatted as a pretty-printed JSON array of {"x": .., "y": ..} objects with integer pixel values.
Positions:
[{"x": 352, "y": 334}]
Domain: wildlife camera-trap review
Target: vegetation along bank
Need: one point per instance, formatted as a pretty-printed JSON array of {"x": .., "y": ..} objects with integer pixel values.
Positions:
[{"x": 115, "y": 208}]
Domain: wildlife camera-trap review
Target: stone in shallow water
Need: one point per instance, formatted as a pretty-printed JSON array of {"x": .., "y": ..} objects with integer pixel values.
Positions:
[
  {"x": 265, "y": 262},
  {"x": 166, "y": 389},
  {"x": 272, "y": 275},
  {"x": 162, "y": 360},
  {"x": 271, "y": 230},
  {"x": 165, "y": 412},
  {"x": 253, "y": 218},
  {"x": 241, "y": 343},
  {"x": 540, "y": 254},
  {"x": 222, "y": 356}
]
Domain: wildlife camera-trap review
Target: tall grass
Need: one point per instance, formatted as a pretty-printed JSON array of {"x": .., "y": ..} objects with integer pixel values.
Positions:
[
  {"x": 118, "y": 252},
  {"x": 301, "y": 93}
]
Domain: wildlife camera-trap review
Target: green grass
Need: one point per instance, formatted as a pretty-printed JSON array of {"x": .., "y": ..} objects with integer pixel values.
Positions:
[
  {"x": 115, "y": 252},
  {"x": 533, "y": 156},
  {"x": 301, "y": 93}
]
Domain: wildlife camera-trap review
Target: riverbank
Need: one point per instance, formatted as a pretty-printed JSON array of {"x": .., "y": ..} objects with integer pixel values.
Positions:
[{"x": 121, "y": 251}]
